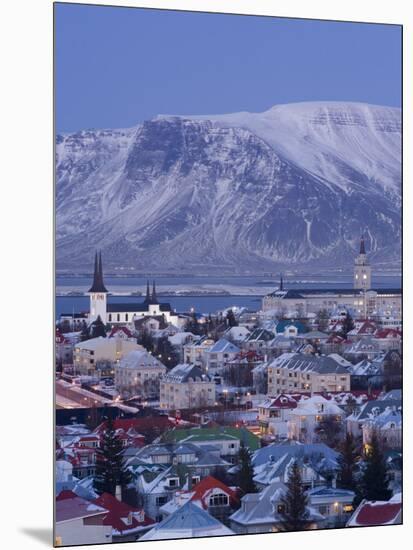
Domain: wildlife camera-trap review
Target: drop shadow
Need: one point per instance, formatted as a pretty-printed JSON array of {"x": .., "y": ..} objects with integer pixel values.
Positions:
[{"x": 42, "y": 534}]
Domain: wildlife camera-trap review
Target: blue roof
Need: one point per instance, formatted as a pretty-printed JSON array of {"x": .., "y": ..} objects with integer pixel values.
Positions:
[
  {"x": 287, "y": 322},
  {"x": 317, "y": 451},
  {"x": 189, "y": 516}
]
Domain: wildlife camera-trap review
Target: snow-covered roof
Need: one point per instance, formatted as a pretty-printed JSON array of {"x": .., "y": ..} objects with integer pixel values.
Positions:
[
  {"x": 138, "y": 359},
  {"x": 188, "y": 521},
  {"x": 224, "y": 346},
  {"x": 302, "y": 362},
  {"x": 183, "y": 372}
]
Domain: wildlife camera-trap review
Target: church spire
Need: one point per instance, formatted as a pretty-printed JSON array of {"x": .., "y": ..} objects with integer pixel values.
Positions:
[
  {"x": 148, "y": 294},
  {"x": 154, "y": 297},
  {"x": 98, "y": 285},
  {"x": 362, "y": 246},
  {"x": 281, "y": 282}
]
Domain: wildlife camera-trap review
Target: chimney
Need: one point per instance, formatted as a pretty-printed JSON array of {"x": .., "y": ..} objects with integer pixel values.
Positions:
[{"x": 118, "y": 493}]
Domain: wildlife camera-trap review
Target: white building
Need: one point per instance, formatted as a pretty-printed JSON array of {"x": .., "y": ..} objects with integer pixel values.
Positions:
[
  {"x": 362, "y": 300},
  {"x": 138, "y": 373},
  {"x": 308, "y": 415},
  {"x": 78, "y": 521},
  {"x": 275, "y": 412},
  {"x": 221, "y": 353},
  {"x": 304, "y": 373},
  {"x": 362, "y": 269},
  {"x": 196, "y": 352},
  {"x": 387, "y": 426},
  {"x": 186, "y": 387},
  {"x": 87, "y": 354},
  {"x": 115, "y": 312}
]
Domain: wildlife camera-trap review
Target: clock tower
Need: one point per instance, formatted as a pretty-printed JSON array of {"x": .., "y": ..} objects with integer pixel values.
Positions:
[
  {"x": 98, "y": 292},
  {"x": 362, "y": 269}
]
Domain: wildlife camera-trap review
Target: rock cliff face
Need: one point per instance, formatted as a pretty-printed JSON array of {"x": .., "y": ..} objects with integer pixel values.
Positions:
[{"x": 293, "y": 186}]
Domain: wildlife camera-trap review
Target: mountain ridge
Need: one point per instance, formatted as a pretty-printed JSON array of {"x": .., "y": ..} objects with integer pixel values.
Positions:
[{"x": 294, "y": 185}]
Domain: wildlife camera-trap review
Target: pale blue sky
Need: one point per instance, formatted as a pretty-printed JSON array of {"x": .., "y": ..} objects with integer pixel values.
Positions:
[{"x": 118, "y": 66}]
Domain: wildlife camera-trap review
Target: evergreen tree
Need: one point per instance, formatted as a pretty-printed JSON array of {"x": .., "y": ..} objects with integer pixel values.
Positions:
[
  {"x": 246, "y": 471},
  {"x": 98, "y": 328},
  {"x": 374, "y": 482},
  {"x": 110, "y": 470},
  {"x": 294, "y": 502},
  {"x": 145, "y": 339},
  {"x": 168, "y": 354},
  {"x": 231, "y": 321},
  {"x": 322, "y": 319},
  {"x": 347, "y": 462},
  {"x": 348, "y": 324},
  {"x": 84, "y": 334}
]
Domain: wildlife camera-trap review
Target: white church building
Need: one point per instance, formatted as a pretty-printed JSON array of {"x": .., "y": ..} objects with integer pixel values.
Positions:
[{"x": 115, "y": 313}]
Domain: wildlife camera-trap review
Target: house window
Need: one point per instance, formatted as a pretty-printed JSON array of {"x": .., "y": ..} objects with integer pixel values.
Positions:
[
  {"x": 110, "y": 317},
  {"x": 118, "y": 317},
  {"x": 160, "y": 501},
  {"x": 218, "y": 500},
  {"x": 280, "y": 508},
  {"x": 126, "y": 317},
  {"x": 173, "y": 482}
]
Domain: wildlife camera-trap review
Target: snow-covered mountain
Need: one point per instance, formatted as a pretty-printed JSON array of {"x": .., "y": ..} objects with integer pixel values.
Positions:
[{"x": 294, "y": 185}]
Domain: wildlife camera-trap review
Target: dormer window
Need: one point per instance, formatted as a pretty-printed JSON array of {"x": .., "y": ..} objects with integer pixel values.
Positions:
[{"x": 220, "y": 499}]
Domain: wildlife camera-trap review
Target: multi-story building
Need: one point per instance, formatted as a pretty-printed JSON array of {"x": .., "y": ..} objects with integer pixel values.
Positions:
[
  {"x": 139, "y": 373},
  {"x": 186, "y": 387},
  {"x": 363, "y": 301},
  {"x": 312, "y": 413},
  {"x": 303, "y": 373},
  {"x": 87, "y": 354},
  {"x": 195, "y": 352},
  {"x": 221, "y": 353}
]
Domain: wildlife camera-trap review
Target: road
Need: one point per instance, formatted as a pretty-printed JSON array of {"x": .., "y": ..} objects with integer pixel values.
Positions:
[{"x": 70, "y": 396}]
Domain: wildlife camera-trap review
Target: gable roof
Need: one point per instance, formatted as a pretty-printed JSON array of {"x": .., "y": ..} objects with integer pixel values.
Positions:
[
  {"x": 117, "y": 329},
  {"x": 118, "y": 512},
  {"x": 282, "y": 401},
  {"x": 188, "y": 521},
  {"x": 224, "y": 346},
  {"x": 138, "y": 359},
  {"x": 284, "y": 323},
  {"x": 202, "y": 490},
  {"x": 74, "y": 507}
]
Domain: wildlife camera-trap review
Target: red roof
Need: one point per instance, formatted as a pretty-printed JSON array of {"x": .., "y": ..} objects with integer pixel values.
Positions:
[
  {"x": 63, "y": 495},
  {"x": 206, "y": 485},
  {"x": 286, "y": 401},
  {"x": 125, "y": 330},
  {"x": 118, "y": 512},
  {"x": 335, "y": 339},
  {"x": 388, "y": 333},
  {"x": 76, "y": 508},
  {"x": 376, "y": 513}
]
